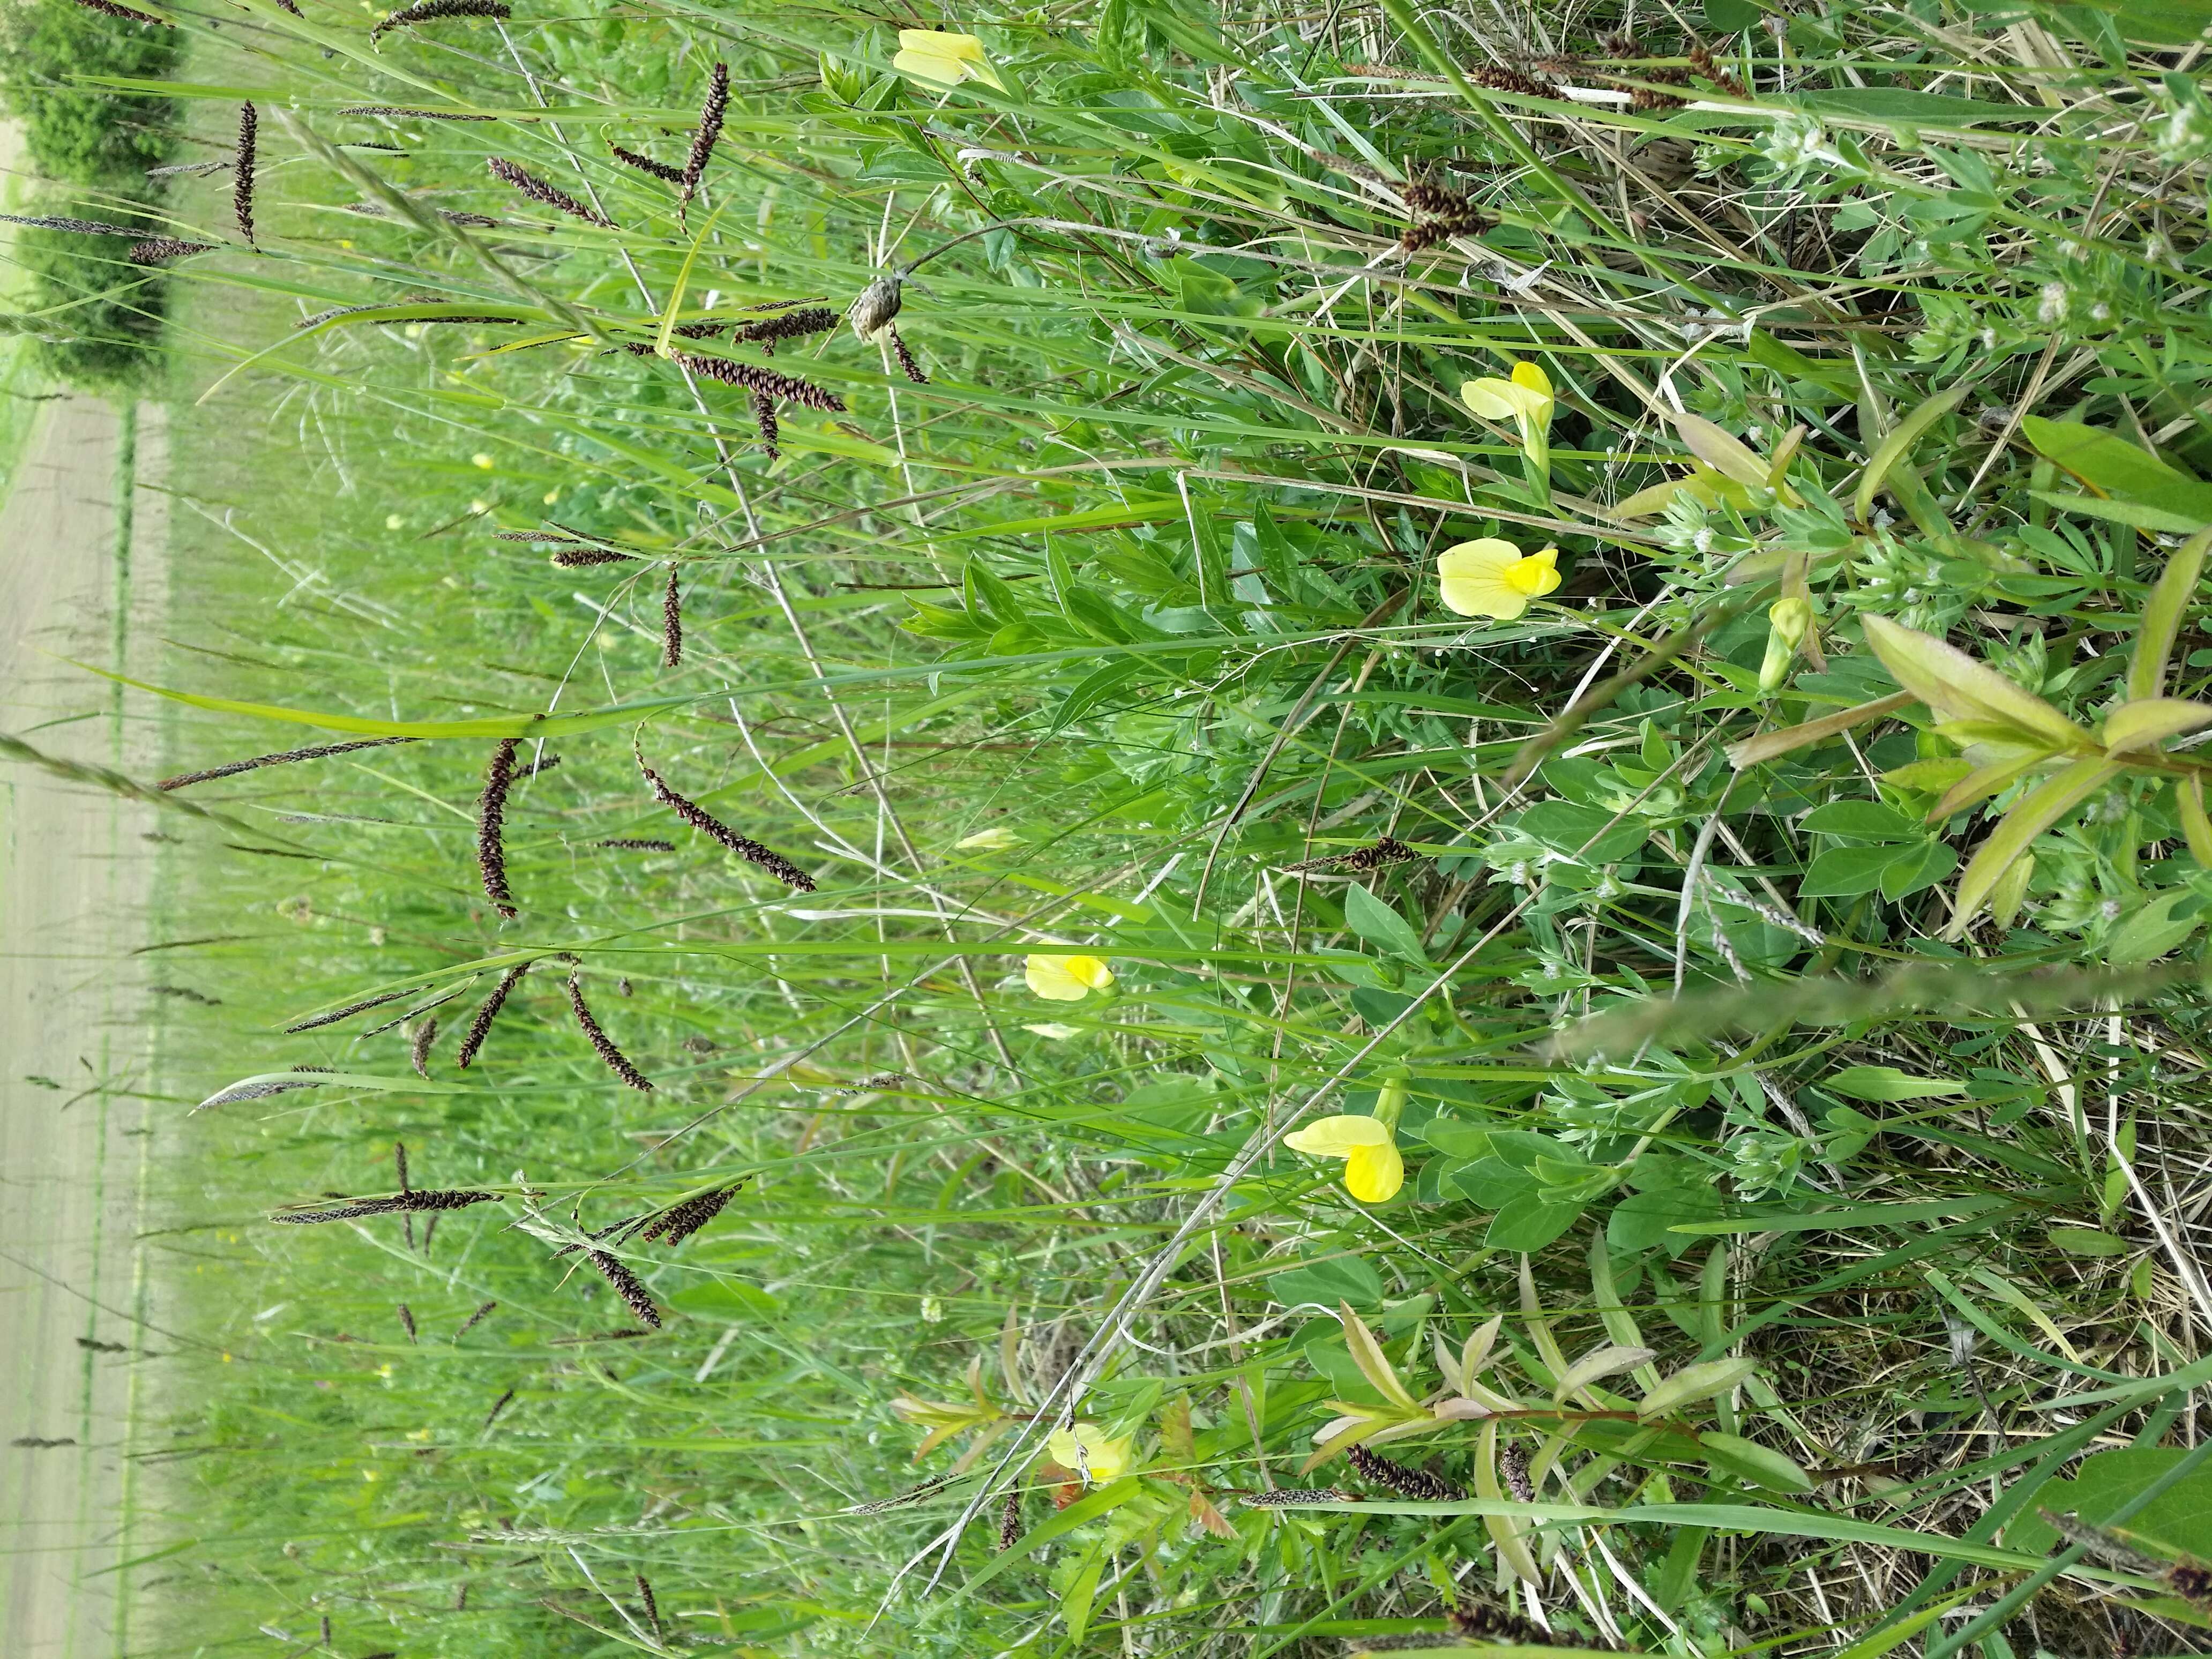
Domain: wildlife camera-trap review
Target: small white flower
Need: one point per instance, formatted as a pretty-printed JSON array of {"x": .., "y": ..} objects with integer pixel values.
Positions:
[{"x": 2052, "y": 308}]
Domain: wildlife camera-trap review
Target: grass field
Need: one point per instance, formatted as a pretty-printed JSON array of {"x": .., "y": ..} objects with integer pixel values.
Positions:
[{"x": 1372, "y": 830}]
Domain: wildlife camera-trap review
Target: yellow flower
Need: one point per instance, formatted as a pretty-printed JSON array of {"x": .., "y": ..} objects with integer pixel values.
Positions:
[
  {"x": 1091, "y": 1452},
  {"x": 943, "y": 60},
  {"x": 1066, "y": 979},
  {"x": 1373, "y": 1171},
  {"x": 1491, "y": 578},
  {"x": 1525, "y": 400}
]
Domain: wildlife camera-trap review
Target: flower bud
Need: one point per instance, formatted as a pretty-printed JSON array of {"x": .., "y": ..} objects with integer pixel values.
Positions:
[{"x": 1788, "y": 623}]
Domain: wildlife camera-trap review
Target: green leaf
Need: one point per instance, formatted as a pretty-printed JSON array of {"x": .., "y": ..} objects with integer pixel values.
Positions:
[
  {"x": 1903, "y": 106},
  {"x": 2032, "y": 814},
  {"x": 2151, "y": 720},
  {"x": 1695, "y": 1382},
  {"x": 1846, "y": 872},
  {"x": 1958, "y": 688},
  {"x": 1868, "y": 820},
  {"x": 2196, "y": 825},
  {"x": 2111, "y": 465},
  {"x": 1529, "y": 1222},
  {"x": 1749, "y": 1461},
  {"x": 2162, "y": 613},
  {"x": 2155, "y": 929},
  {"x": 1610, "y": 1360},
  {"x": 2178, "y": 1521},
  {"x": 1886, "y": 1083},
  {"x": 1338, "y": 1279},
  {"x": 1647, "y": 1219},
  {"x": 1922, "y": 867},
  {"x": 2085, "y": 1240},
  {"x": 1847, "y": 1218},
  {"x": 2163, "y": 23},
  {"x": 1075, "y": 1606},
  {"x": 1382, "y": 927},
  {"x": 1731, "y": 16},
  {"x": 1897, "y": 444}
]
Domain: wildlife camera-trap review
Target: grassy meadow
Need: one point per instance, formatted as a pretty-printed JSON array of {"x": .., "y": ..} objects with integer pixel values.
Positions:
[{"x": 1329, "y": 831}]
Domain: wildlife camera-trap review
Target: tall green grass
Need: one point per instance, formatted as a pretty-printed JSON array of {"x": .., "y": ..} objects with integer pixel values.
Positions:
[{"x": 1819, "y": 1231}]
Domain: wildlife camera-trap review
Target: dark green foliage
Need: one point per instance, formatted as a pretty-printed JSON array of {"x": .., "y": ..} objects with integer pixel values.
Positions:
[
  {"x": 74, "y": 132},
  {"x": 97, "y": 318}
]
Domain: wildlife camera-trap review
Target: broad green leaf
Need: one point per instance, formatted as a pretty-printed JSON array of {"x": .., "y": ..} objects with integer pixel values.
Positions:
[
  {"x": 1075, "y": 1606},
  {"x": 1647, "y": 1219},
  {"x": 1868, "y": 820},
  {"x": 2155, "y": 928},
  {"x": 2178, "y": 1521},
  {"x": 1382, "y": 927},
  {"x": 1957, "y": 687},
  {"x": 1981, "y": 782},
  {"x": 1847, "y": 872},
  {"x": 2032, "y": 814},
  {"x": 1898, "y": 443},
  {"x": 1749, "y": 1461},
  {"x": 1340, "y": 1279},
  {"x": 1885, "y": 1641},
  {"x": 1923, "y": 865},
  {"x": 2151, "y": 720},
  {"x": 1696, "y": 1383},
  {"x": 1529, "y": 1222},
  {"x": 2085, "y": 1240},
  {"x": 2169, "y": 602},
  {"x": 1886, "y": 1083}
]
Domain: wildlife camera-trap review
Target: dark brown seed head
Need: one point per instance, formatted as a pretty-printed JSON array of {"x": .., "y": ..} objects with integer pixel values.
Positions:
[
  {"x": 1513, "y": 1469},
  {"x": 401, "y": 111},
  {"x": 1010, "y": 1520},
  {"x": 672, "y": 621},
  {"x": 628, "y": 1286},
  {"x": 659, "y": 170},
  {"x": 474, "y": 1320},
  {"x": 753, "y": 378},
  {"x": 602, "y": 1044},
  {"x": 782, "y": 326},
  {"x": 1509, "y": 1629},
  {"x": 1498, "y": 78},
  {"x": 110, "y": 8},
  {"x": 497, "y": 1406},
  {"x": 418, "y": 1056},
  {"x": 78, "y": 226},
  {"x": 906, "y": 362},
  {"x": 707, "y": 824},
  {"x": 538, "y": 190},
  {"x": 652, "y": 1605},
  {"x": 770, "y": 429},
  {"x": 392, "y": 1206},
  {"x": 680, "y": 1221},
  {"x": 317, "y": 751},
  {"x": 407, "y": 1321},
  {"x": 430, "y": 11},
  {"x": 241, "y": 193},
  {"x": 491, "y": 819},
  {"x": 1285, "y": 1495},
  {"x": 349, "y": 1010},
  {"x": 1416, "y": 1484},
  {"x": 710, "y": 129},
  {"x": 400, "y": 1163},
  {"x": 636, "y": 844},
  {"x": 2191, "y": 1581},
  {"x": 159, "y": 250},
  {"x": 480, "y": 1027}
]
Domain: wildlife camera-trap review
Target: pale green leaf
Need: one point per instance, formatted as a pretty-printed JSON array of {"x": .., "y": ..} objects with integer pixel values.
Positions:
[
  {"x": 1695, "y": 1382},
  {"x": 2032, "y": 814},
  {"x": 1897, "y": 444},
  {"x": 1768, "y": 744},
  {"x": 1367, "y": 1354},
  {"x": 2162, "y": 616},
  {"x": 1957, "y": 687},
  {"x": 1610, "y": 1360},
  {"x": 1760, "y": 1465},
  {"x": 2152, "y": 721}
]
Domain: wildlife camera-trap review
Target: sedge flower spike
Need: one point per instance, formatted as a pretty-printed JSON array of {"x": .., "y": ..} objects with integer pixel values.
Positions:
[
  {"x": 1492, "y": 578},
  {"x": 1373, "y": 1171},
  {"x": 1091, "y": 1452},
  {"x": 943, "y": 59},
  {"x": 1066, "y": 979}
]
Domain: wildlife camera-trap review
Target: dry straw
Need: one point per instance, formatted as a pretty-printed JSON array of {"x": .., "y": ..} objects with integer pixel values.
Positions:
[
  {"x": 241, "y": 191},
  {"x": 319, "y": 751},
  {"x": 595, "y": 1034},
  {"x": 707, "y": 824},
  {"x": 491, "y": 822},
  {"x": 538, "y": 190},
  {"x": 710, "y": 129},
  {"x": 431, "y": 11}
]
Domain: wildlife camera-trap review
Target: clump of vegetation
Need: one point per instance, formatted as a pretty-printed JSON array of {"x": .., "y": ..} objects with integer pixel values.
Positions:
[{"x": 1488, "y": 873}]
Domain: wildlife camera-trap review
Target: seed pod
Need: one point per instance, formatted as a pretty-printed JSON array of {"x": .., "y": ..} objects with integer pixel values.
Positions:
[
  {"x": 241, "y": 195},
  {"x": 710, "y": 129},
  {"x": 394, "y": 1205},
  {"x": 491, "y": 817},
  {"x": 628, "y": 1286},
  {"x": 707, "y": 824},
  {"x": 602, "y": 1044},
  {"x": 317, "y": 752},
  {"x": 430, "y": 11},
  {"x": 538, "y": 190},
  {"x": 158, "y": 250},
  {"x": 480, "y": 1027}
]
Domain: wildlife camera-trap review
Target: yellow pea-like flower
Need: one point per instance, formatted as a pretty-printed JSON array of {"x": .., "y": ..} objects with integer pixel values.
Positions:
[
  {"x": 1092, "y": 1453},
  {"x": 1373, "y": 1171},
  {"x": 1525, "y": 399},
  {"x": 1493, "y": 578},
  {"x": 1066, "y": 979},
  {"x": 944, "y": 59}
]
